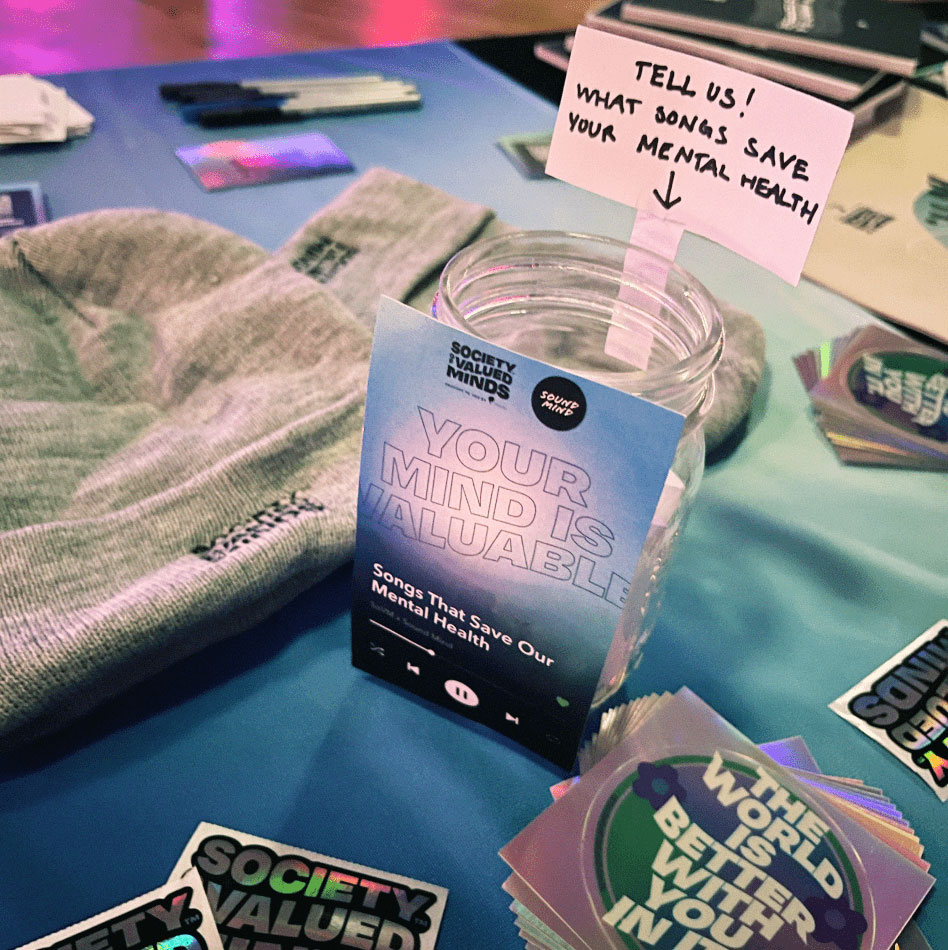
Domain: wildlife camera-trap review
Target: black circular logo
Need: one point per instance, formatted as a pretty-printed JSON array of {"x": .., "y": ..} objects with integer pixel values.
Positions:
[{"x": 558, "y": 403}]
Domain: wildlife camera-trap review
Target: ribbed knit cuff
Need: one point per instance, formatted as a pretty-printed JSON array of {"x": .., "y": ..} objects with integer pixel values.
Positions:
[{"x": 386, "y": 234}]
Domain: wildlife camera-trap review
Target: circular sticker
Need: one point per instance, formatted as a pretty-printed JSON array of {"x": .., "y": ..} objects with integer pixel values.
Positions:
[
  {"x": 558, "y": 403},
  {"x": 685, "y": 852}
]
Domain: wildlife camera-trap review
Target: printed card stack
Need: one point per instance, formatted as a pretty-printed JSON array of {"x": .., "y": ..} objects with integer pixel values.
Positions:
[
  {"x": 880, "y": 398},
  {"x": 683, "y": 835},
  {"x": 34, "y": 110}
]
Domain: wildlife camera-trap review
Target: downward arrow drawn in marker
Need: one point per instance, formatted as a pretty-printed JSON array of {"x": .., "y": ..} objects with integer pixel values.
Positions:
[{"x": 667, "y": 202}]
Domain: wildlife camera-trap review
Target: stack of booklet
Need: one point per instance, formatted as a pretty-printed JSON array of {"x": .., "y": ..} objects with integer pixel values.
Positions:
[
  {"x": 681, "y": 834},
  {"x": 34, "y": 110},
  {"x": 880, "y": 398},
  {"x": 855, "y": 54}
]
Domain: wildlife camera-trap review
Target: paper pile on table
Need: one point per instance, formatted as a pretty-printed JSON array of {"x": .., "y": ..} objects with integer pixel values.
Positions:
[
  {"x": 34, "y": 110},
  {"x": 880, "y": 398},
  {"x": 685, "y": 835}
]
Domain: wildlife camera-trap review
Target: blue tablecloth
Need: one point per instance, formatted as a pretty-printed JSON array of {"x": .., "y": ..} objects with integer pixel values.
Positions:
[{"x": 796, "y": 576}]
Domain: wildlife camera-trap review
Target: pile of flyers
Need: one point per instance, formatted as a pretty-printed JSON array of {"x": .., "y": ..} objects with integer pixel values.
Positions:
[
  {"x": 683, "y": 835},
  {"x": 880, "y": 398},
  {"x": 235, "y": 890},
  {"x": 34, "y": 110}
]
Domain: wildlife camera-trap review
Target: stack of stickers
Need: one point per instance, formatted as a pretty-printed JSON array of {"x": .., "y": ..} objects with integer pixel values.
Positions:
[
  {"x": 880, "y": 398},
  {"x": 234, "y": 890},
  {"x": 683, "y": 835},
  {"x": 34, "y": 110}
]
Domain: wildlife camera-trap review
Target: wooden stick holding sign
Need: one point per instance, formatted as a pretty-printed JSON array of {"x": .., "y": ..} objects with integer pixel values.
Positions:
[{"x": 699, "y": 146}]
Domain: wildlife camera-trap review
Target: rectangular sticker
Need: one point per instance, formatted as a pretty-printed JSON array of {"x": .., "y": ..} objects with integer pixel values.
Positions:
[
  {"x": 176, "y": 916},
  {"x": 903, "y": 705},
  {"x": 503, "y": 504},
  {"x": 234, "y": 163},
  {"x": 21, "y": 206},
  {"x": 270, "y": 896},
  {"x": 736, "y": 158},
  {"x": 528, "y": 152}
]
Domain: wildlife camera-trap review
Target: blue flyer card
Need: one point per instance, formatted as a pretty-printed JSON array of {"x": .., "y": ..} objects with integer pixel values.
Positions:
[{"x": 503, "y": 504}]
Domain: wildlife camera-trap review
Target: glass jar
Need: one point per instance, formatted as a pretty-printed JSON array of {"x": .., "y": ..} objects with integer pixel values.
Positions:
[{"x": 572, "y": 299}]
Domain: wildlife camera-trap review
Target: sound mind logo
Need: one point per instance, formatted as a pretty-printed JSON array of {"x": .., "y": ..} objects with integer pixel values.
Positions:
[
  {"x": 476, "y": 369},
  {"x": 725, "y": 857}
]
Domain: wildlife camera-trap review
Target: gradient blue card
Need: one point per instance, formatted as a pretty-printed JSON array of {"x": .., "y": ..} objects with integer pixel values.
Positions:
[
  {"x": 234, "y": 163},
  {"x": 503, "y": 504}
]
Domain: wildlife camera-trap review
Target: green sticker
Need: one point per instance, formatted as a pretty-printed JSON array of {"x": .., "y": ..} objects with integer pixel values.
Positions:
[
  {"x": 697, "y": 853},
  {"x": 906, "y": 389}
]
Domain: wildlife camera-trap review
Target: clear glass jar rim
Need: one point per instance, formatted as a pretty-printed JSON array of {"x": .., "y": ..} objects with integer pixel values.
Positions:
[{"x": 702, "y": 359}]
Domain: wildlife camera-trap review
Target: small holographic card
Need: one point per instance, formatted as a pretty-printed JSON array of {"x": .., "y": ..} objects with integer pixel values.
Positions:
[
  {"x": 176, "y": 916},
  {"x": 318, "y": 902},
  {"x": 528, "y": 152},
  {"x": 235, "y": 163}
]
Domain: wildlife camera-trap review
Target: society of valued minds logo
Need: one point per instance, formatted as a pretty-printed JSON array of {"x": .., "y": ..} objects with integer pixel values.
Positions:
[
  {"x": 480, "y": 372},
  {"x": 931, "y": 209},
  {"x": 695, "y": 851}
]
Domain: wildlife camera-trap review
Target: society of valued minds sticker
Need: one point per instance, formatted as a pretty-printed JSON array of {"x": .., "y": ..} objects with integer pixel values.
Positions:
[
  {"x": 690, "y": 852},
  {"x": 903, "y": 705},
  {"x": 270, "y": 896},
  {"x": 174, "y": 917}
]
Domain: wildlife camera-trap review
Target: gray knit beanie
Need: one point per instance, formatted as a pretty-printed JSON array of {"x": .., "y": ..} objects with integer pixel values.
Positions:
[
  {"x": 180, "y": 422},
  {"x": 180, "y": 416}
]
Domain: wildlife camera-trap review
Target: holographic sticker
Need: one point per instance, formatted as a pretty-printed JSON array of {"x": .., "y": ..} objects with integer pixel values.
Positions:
[
  {"x": 907, "y": 389},
  {"x": 880, "y": 398},
  {"x": 903, "y": 705},
  {"x": 728, "y": 852},
  {"x": 528, "y": 152},
  {"x": 687, "y": 837},
  {"x": 291, "y": 899},
  {"x": 176, "y": 916},
  {"x": 234, "y": 163}
]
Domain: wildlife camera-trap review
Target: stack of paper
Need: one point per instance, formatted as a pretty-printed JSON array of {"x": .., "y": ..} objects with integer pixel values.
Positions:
[
  {"x": 685, "y": 835},
  {"x": 880, "y": 398},
  {"x": 856, "y": 58},
  {"x": 34, "y": 110}
]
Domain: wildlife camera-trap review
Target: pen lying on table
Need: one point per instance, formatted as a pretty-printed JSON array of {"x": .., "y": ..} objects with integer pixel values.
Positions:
[
  {"x": 257, "y": 101},
  {"x": 213, "y": 91},
  {"x": 384, "y": 96}
]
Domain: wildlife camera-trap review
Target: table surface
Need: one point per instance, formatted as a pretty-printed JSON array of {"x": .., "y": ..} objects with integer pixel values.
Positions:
[{"x": 796, "y": 575}]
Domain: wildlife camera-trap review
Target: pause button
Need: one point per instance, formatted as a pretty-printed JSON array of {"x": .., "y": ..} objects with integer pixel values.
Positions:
[{"x": 463, "y": 694}]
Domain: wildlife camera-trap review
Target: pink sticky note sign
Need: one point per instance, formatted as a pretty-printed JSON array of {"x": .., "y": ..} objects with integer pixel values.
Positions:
[{"x": 738, "y": 159}]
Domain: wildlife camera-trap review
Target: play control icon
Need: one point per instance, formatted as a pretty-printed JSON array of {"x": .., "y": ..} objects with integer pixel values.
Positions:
[{"x": 463, "y": 694}]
